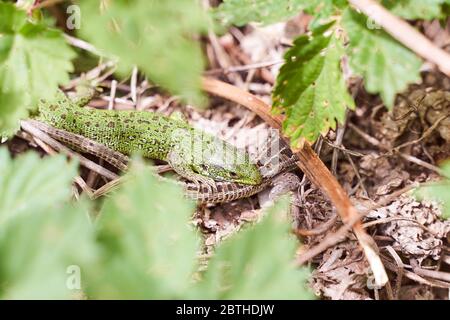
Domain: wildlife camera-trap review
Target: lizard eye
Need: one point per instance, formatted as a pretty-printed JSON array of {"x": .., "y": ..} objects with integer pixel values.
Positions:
[
  {"x": 233, "y": 174},
  {"x": 204, "y": 167}
]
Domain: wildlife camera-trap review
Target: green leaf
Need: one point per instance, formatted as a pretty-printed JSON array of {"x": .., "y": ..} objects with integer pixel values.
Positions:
[
  {"x": 40, "y": 234},
  {"x": 257, "y": 263},
  {"x": 415, "y": 9},
  {"x": 310, "y": 86},
  {"x": 39, "y": 251},
  {"x": 323, "y": 12},
  {"x": 148, "y": 248},
  {"x": 34, "y": 60},
  {"x": 439, "y": 191},
  {"x": 29, "y": 184},
  {"x": 155, "y": 35},
  {"x": 11, "y": 109},
  {"x": 386, "y": 66},
  {"x": 241, "y": 12}
]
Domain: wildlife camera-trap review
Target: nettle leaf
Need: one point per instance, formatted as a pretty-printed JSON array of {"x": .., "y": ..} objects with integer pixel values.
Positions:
[
  {"x": 34, "y": 60},
  {"x": 310, "y": 87},
  {"x": 148, "y": 247},
  {"x": 415, "y": 9},
  {"x": 439, "y": 191},
  {"x": 44, "y": 253},
  {"x": 155, "y": 35},
  {"x": 256, "y": 263},
  {"x": 29, "y": 184},
  {"x": 323, "y": 12},
  {"x": 241, "y": 12},
  {"x": 41, "y": 235},
  {"x": 386, "y": 66},
  {"x": 11, "y": 109}
]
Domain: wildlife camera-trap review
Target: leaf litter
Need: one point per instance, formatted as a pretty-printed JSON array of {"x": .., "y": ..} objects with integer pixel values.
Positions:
[{"x": 414, "y": 229}]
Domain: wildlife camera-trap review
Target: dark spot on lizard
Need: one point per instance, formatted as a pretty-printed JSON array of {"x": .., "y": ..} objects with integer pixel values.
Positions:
[{"x": 111, "y": 124}]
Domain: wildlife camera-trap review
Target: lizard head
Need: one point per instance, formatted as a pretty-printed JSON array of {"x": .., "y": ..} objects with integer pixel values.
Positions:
[
  {"x": 199, "y": 153},
  {"x": 221, "y": 161}
]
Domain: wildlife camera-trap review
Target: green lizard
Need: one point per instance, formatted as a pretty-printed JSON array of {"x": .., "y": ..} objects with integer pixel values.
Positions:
[
  {"x": 194, "y": 154},
  {"x": 225, "y": 191}
]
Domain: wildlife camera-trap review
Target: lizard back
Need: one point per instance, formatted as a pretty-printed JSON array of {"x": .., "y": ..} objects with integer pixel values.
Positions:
[{"x": 125, "y": 131}]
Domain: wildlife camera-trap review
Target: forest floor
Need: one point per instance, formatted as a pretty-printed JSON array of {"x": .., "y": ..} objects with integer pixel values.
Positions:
[{"x": 375, "y": 154}]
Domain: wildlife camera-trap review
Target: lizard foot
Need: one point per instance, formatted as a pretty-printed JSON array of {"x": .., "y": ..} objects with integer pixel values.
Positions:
[{"x": 208, "y": 182}]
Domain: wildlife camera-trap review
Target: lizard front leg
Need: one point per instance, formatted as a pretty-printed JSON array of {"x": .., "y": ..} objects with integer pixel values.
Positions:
[{"x": 181, "y": 165}]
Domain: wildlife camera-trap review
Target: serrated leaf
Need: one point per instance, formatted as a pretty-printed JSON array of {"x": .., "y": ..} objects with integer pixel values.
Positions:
[
  {"x": 39, "y": 249},
  {"x": 41, "y": 235},
  {"x": 439, "y": 191},
  {"x": 34, "y": 60},
  {"x": 11, "y": 109},
  {"x": 29, "y": 184},
  {"x": 154, "y": 35},
  {"x": 241, "y": 12},
  {"x": 256, "y": 263},
  {"x": 148, "y": 247},
  {"x": 386, "y": 66},
  {"x": 415, "y": 9},
  {"x": 310, "y": 87},
  {"x": 323, "y": 12}
]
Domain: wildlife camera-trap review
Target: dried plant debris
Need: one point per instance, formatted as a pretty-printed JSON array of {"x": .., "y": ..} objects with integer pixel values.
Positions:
[
  {"x": 385, "y": 174},
  {"x": 416, "y": 292},
  {"x": 343, "y": 274},
  {"x": 315, "y": 215},
  {"x": 415, "y": 227},
  {"x": 421, "y": 117}
]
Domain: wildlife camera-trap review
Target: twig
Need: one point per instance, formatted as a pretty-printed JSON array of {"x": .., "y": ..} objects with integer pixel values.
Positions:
[
  {"x": 82, "y": 45},
  {"x": 46, "y": 4},
  {"x": 439, "y": 275},
  {"x": 312, "y": 166},
  {"x": 246, "y": 67},
  {"x": 321, "y": 229},
  {"x": 405, "y": 34},
  {"x": 400, "y": 271},
  {"x": 415, "y": 277},
  {"x": 112, "y": 95},
  {"x": 133, "y": 84},
  {"x": 424, "y": 135},
  {"x": 391, "y": 219},
  {"x": 407, "y": 157},
  {"x": 340, "y": 234}
]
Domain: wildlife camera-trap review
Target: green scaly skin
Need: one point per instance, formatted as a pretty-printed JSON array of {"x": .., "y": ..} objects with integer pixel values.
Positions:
[{"x": 192, "y": 153}]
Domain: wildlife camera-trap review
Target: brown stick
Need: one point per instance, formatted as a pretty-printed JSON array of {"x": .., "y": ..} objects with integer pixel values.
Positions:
[
  {"x": 405, "y": 34},
  {"x": 311, "y": 165}
]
